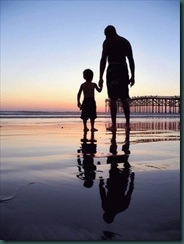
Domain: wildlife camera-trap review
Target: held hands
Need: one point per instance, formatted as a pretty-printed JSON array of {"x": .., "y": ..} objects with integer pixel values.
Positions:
[
  {"x": 79, "y": 104},
  {"x": 100, "y": 83},
  {"x": 132, "y": 81}
]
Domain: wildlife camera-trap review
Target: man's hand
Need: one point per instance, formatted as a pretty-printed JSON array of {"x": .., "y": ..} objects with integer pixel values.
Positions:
[
  {"x": 100, "y": 83},
  {"x": 132, "y": 82},
  {"x": 79, "y": 104}
]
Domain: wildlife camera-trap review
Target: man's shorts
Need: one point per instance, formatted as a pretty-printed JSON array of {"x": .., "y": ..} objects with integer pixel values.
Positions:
[
  {"x": 117, "y": 81},
  {"x": 88, "y": 109}
]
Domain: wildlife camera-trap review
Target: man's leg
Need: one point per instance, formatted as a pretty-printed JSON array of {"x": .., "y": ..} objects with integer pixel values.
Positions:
[
  {"x": 113, "y": 110},
  {"x": 126, "y": 108}
]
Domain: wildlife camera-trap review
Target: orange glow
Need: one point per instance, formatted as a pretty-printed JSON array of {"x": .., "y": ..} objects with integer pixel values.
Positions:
[{"x": 44, "y": 105}]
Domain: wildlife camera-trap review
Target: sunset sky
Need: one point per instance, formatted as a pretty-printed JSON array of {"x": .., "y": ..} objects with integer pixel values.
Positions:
[{"x": 46, "y": 45}]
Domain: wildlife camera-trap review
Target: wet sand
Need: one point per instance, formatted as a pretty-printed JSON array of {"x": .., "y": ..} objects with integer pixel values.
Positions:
[{"x": 59, "y": 184}]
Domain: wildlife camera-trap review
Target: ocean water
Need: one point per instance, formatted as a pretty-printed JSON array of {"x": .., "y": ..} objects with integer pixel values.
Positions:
[
  {"x": 139, "y": 121},
  {"x": 55, "y": 114}
]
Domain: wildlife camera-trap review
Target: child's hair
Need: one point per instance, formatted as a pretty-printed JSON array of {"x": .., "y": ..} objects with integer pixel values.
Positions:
[{"x": 88, "y": 74}]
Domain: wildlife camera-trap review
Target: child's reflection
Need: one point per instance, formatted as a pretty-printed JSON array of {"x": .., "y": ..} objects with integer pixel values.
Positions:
[
  {"x": 87, "y": 168},
  {"x": 116, "y": 194}
]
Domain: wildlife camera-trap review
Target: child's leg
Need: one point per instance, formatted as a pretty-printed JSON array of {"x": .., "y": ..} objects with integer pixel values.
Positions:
[
  {"x": 92, "y": 125},
  {"x": 85, "y": 125}
]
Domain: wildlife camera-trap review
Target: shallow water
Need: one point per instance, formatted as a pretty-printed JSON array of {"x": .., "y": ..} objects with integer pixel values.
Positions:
[{"x": 55, "y": 181}]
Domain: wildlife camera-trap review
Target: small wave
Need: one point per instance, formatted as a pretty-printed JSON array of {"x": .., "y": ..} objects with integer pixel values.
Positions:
[
  {"x": 8, "y": 198},
  {"x": 48, "y": 114},
  {"x": 4, "y": 199}
]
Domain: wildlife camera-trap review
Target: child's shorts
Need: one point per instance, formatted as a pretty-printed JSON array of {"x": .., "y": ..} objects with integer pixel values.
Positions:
[{"x": 88, "y": 108}]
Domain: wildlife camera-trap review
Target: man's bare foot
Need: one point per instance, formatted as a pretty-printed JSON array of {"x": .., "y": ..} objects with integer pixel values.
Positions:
[{"x": 112, "y": 128}]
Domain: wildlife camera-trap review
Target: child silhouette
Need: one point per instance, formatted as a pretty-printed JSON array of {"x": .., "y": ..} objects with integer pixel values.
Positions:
[{"x": 88, "y": 106}]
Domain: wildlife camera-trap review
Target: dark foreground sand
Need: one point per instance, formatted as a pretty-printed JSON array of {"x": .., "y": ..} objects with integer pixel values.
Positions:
[{"x": 57, "y": 184}]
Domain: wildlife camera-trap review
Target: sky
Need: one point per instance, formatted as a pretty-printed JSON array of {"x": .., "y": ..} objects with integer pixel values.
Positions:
[{"x": 47, "y": 44}]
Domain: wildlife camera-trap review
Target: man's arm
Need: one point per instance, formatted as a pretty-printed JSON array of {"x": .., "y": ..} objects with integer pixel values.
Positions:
[
  {"x": 132, "y": 66},
  {"x": 103, "y": 61},
  {"x": 102, "y": 65}
]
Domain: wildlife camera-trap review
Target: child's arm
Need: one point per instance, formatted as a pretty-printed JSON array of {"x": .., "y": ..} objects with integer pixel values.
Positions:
[
  {"x": 78, "y": 96},
  {"x": 99, "y": 89}
]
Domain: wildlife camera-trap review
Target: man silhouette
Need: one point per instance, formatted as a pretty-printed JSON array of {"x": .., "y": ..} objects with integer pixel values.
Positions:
[
  {"x": 115, "y": 50},
  {"x": 116, "y": 195}
]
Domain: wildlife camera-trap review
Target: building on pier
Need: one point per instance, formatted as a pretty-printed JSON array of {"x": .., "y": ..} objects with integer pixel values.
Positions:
[{"x": 150, "y": 104}]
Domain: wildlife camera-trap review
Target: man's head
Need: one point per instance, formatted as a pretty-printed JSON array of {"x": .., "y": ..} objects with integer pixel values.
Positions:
[
  {"x": 110, "y": 31},
  {"x": 88, "y": 74}
]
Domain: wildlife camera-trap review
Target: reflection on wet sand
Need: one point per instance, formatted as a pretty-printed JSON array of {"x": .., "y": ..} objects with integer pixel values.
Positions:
[
  {"x": 67, "y": 183},
  {"x": 86, "y": 166},
  {"x": 152, "y": 131},
  {"x": 116, "y": 184},
  {"x": 151, "y": 125},
  {"x": 115, "y": 191},
  {"x": 116, "y": 194}
]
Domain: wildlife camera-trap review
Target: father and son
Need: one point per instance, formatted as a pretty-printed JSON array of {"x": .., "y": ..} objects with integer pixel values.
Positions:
[{"x": 115, "y": 50}]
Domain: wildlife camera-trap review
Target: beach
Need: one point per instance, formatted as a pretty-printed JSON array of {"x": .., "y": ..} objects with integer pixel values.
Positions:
[{"x": 59, "y": 183}]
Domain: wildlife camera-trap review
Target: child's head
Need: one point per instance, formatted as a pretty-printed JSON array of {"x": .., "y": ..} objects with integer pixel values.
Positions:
[{"x": 88, "y": 74}]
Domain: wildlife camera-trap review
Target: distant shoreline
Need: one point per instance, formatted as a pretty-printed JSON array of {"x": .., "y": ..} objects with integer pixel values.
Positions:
[{"x": 74, "y": 114}]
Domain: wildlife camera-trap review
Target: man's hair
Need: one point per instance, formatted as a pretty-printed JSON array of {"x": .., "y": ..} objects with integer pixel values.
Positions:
[
  {"x": 88, "y": 74},
  {"x": 110, "y": 31}
]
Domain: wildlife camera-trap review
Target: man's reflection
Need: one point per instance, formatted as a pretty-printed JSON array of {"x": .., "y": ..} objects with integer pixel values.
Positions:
[
  {"x": 116, "y": 194},
  {"x": 126, "y": 145},
  {"x": 87, "y": 167}
]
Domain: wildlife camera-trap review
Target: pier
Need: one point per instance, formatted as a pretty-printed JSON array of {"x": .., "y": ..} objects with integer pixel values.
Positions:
[{"x": 150, "y": 104}]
